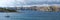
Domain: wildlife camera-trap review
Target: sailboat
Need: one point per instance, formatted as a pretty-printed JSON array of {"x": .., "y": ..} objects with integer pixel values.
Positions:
[{"x": 7, "y": 15}]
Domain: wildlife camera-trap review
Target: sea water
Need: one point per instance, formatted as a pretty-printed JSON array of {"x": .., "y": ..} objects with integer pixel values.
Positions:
[{"x": 30, "y": 15}]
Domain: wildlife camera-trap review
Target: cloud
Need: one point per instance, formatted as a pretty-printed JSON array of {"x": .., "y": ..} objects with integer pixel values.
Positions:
[
  {"x": 42, "y": 1},
  {"x": 6, "y": 3},
  {"x": 12, "y": 3}
]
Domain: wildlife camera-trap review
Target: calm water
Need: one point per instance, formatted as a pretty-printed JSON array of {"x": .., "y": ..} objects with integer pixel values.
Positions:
[{"x": 30, "y": 15}]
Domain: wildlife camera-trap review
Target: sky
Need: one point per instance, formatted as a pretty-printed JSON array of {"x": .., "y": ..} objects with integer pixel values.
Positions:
[{"x": 18, "y": 3}]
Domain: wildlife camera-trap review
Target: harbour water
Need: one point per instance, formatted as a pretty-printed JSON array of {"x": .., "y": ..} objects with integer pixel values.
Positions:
[{"x": 30, "y": 15}]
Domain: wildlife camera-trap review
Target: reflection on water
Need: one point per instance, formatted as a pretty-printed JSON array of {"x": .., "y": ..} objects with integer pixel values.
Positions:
[{"x": 31, "y": 15}]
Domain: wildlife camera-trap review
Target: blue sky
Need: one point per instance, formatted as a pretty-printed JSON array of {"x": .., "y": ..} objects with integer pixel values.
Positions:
[{"x": 12, "y": 3}]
